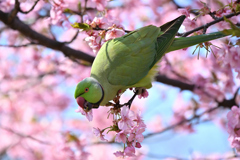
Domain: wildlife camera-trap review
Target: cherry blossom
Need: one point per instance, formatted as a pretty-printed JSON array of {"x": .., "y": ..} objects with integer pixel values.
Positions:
[
  {"x": 121, "y": 136},
  {"x": 114, "y": 33},
  {"x": 189, "y": 24},
  {"x": 119, "y": 154},
  {"x": 89, "y": 114},
  {"x": 99, "y": 133},
  {"x": 127, "y": 117},
  {"x": 185, "y": 11},
  {"x": 139, "y": 120},
  {"x": 56, "y": 13},
  {"x": 233, "y": 117},
  {"x": 129, "y": 151},
  {"x": 136, "y": 134}
]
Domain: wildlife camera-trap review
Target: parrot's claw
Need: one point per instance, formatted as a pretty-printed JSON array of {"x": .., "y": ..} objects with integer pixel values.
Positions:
[
  {"x": 137, "y": 91},
  {"x": 88, "y": 106},
  {"x": 129, "y": 103},
  {"x": 140, "y": 90}
]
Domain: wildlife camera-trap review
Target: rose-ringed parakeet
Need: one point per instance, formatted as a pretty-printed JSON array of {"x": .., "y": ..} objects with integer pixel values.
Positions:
[{"x": 130, "y": 61}]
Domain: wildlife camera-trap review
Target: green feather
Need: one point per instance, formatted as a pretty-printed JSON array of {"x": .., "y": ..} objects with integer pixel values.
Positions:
[
  {"x": 184, "y": 42},
  {"x": 133, "y": 55}
]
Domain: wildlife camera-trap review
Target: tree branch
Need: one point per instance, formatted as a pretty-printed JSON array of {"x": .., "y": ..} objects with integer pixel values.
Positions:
[
  {"x": 14, "y": 12},
  {"x": 23, "y": 28},
  {"x": 176, "y": 83}
]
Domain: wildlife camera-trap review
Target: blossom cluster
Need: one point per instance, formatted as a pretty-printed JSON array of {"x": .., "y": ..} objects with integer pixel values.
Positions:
[
  {"x": 102, "y": 29},
  {"x": 57, "y": 16},
  {"x": 128, "y": 127},
  {"x": 230, "y": 56},
  {"x": 233, "y": 129}
]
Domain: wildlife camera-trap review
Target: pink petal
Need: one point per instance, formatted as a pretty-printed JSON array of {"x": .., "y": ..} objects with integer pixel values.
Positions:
[
  {"x": 89, "y": 114},
  {"x": 130, "y": 151},
  {"x": 119, "y": 154},
  {"x": 138, "y": 145}
]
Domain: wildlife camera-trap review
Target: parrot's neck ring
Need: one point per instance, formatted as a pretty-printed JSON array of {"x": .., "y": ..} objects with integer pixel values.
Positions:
[{"x": 98, "y": 103}]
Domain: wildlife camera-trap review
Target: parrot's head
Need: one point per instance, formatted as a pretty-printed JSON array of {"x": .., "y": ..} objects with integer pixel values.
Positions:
[{"x": 89, "y": 94}]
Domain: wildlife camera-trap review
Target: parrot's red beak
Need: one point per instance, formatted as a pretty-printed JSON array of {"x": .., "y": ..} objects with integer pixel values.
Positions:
[{"x": 81, "y": 101}]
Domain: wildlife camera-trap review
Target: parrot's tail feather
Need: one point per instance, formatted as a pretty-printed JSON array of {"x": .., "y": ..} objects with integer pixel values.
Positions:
[{"x": 184, "y": 42}]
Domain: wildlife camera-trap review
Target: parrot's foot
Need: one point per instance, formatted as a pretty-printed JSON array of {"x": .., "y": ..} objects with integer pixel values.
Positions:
[
  {"x": 140, "y": 90},
  {"x": 129, "y": 103},
  {"x": 137, "y": 91}
]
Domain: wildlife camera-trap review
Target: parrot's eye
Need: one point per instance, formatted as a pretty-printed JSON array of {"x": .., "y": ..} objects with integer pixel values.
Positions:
[{"x": 86, "y": 89}]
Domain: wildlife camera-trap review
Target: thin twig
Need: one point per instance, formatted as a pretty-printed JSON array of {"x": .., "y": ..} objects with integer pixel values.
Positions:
[
  {"x": 97, "y": 28},
  {"x": 74, "y": 38},
  {"x": 26, "y": 12},
  {"x": 18, "y": 46},
  {"x": 181, "y": 122},
  {"x": 175, "y": 72},
  {"x": 224, "y": 103},
  {"x": 209, "y": 24},
  {"x": 24, "y": 136}
]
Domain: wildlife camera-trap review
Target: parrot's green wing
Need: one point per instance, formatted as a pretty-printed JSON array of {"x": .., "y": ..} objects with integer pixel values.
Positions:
[{"x": 133, "y": 55}]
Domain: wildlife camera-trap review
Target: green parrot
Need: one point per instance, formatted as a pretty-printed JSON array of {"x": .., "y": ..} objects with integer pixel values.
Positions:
[{"x": 130, "y": 61}]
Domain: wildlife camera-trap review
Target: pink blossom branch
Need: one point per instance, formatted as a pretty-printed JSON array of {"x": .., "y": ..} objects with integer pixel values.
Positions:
[
  {"x": 32, "y": 81},
  {"x": 176, "y": 73},
  {"x": 204, "y": 27},
  {"x": 190, "y": 87},
  {"x": 225, "y": 103},
  {"x": 181, "y": 122},
  {"x": 209, "y": 24},
  {"x": 24, "y": 136},
  {"x": 23, "y": 28}
]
